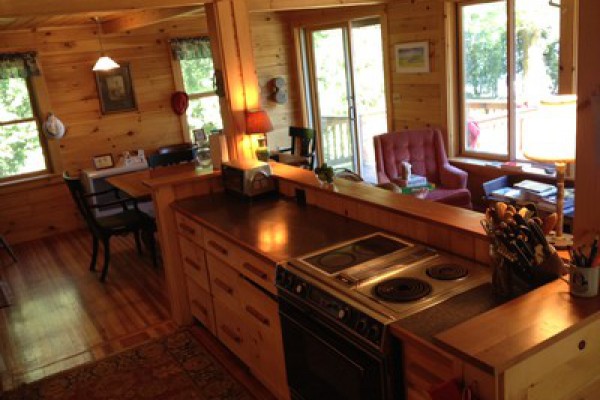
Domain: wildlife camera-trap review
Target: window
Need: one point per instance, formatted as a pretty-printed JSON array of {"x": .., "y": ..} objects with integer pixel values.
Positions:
[
  {"x": 494, "y": 71},
  {"x": 21, "y": 148},
  {"x": 197, "y": 71}
]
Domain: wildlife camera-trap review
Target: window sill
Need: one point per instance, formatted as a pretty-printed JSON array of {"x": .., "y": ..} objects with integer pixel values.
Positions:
[
  {"x": 490, "y": 165},
  {"x": 30, "y": 182}
]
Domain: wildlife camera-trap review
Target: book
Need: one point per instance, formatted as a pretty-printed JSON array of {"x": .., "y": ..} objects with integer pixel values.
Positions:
[
  {"x": 509, "y": 194},
  {"x": 537, "y": 188},
  {"x": 413, "y": 181},
  {"x": 415, "y": 189}
]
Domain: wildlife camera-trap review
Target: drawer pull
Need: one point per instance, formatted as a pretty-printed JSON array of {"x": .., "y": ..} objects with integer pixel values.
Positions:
[
  {"x": 256, "y": 314},
  {"x": 229, "y": 332},
  {"x": 202, "y": 309},
  {"x": 218, "y": 247},
  {"x": 256, "y": 271},
  {"x": 223, "y": 286},
  {"x": 194, "y": 265},
  {"x": 187, "y": 229}
]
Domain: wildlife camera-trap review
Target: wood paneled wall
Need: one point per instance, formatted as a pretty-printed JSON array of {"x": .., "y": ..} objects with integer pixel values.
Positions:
[
  {"x": 66, "y": 56},
  {"x": 417, "y": 99},
  {"x": 273, "y": 47}
]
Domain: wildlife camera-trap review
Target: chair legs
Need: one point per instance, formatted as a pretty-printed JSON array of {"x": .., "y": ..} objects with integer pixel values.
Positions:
[
  {"x": 94, "y": 253},
  {"x": 138, "y": 244},
  {"x": 106, "y": 243}
]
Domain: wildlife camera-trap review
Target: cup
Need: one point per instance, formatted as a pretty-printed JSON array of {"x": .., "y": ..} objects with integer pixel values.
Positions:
[{"x": 583, "y": 281}]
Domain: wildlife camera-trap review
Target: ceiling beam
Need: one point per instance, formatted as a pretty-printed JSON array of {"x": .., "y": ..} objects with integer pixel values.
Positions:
[
  {"x": 285, "y": 5},
  {"x": 31, "y": 8},
  {"x": 143, "y": 18}
]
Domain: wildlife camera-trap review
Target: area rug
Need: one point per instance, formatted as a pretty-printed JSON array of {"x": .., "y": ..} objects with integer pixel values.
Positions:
[
  {"x": 173, "y": 367},
  {"x": 5, "y": 294}
]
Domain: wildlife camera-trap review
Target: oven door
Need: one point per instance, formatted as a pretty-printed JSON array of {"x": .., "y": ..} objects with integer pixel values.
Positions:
[{"x": 323, "y": 362}]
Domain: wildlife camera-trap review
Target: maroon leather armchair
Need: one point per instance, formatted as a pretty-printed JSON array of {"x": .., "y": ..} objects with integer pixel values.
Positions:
[{"x": 424, "y": 150}]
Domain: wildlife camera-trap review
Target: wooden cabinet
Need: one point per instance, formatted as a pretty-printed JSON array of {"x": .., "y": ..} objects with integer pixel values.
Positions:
[
  {"x": 426, "y": 367},
  {"x": 232, "y": 293}
]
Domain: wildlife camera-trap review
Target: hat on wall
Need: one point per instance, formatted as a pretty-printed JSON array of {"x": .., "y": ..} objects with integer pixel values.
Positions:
[
  {"x": 53, "y": 127},
  {"x": 180, "y": 102}
]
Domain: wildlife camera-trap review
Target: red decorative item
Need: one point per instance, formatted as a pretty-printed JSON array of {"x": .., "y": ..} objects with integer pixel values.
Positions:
[{"x": 180, "y": 102}]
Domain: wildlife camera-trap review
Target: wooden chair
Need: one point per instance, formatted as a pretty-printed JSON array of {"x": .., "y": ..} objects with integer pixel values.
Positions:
[
  {"x": 302, "y": 150},
  {"x": 4, "y": 244},
  {"x": 129, "y": 220}
]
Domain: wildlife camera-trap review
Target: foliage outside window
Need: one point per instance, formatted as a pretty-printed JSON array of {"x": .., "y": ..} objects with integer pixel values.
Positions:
[
  {"x": 487, "y": 108},
  {"x": 21, "y": 150},
  {"x": 197, "y": 70}
]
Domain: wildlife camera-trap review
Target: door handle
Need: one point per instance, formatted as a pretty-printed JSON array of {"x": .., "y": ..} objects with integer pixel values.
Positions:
[
  {"x": 256, "y": 314},
  {"x": 194, "y": 265},
  {"x": 218, "y": 247},
  {"x": 256, "y": 271},
  {"x": 223, "y": 286}
]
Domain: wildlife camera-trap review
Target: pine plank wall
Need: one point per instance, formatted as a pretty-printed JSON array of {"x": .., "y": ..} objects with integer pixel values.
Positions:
[{"x": 66, "y": 55}]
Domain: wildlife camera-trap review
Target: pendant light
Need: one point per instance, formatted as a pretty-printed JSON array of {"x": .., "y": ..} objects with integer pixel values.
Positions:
[{"x": 104, "y": 63}]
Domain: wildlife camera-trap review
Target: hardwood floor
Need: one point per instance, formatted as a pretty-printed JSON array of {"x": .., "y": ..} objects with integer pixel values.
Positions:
[{"x": 62, "y": 316}]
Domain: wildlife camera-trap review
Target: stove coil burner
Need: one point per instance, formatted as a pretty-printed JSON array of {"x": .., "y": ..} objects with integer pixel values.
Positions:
[
  {"x": 401, "y": 290},
  {"x": 447, "y": 272},
  {"x": 337, "y": 260}
]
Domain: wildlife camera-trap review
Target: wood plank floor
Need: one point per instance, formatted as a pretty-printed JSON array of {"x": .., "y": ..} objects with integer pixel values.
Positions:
[{"x": 62, "y": 316}]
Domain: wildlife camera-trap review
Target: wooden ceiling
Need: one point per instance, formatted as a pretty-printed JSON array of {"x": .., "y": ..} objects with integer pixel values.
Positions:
[{"x": 111, "y": 21}]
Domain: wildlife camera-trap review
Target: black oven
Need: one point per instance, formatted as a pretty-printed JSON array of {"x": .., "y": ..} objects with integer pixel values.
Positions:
[{"x": 326, "y": 361}]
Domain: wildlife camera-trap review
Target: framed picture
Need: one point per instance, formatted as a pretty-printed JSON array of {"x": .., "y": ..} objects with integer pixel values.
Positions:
[
  {"x": 115, "y": 90},
  {"x": 103, "y": 161},
  {"x": 412, "y": 57}
]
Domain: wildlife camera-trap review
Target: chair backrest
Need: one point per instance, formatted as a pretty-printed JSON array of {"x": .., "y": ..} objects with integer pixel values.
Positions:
[
  {"x": 423, "y": 149},
  {"x": 171, "y": 158},
  {"x": 174, "y": 148},
  {"x": 78, "y": 193},
  {"x": 304, "y": 143}
]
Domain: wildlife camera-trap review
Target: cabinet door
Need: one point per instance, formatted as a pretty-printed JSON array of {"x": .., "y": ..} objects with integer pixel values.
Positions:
[
  {"x": 257, "y": 270},
  {"x": 224, "y": 282},
  {"x": 426, "y": 367},
  {"x": 194, "y": 262},
  {"x": 267, "y": 358},
  {"x": 232, "y": 330},
  {"x": 201, "y": 305}
]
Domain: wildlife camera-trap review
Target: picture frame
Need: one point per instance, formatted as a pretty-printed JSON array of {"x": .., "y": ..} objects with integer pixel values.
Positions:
[
  {"x": 412, "y": 57},
  {"x": 115, "y": 90},
  {"x": 103, "y": 161}
]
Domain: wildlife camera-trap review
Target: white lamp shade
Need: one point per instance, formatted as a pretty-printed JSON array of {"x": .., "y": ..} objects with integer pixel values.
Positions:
[
  {"x": 553, "y": 135},
  {"x": 105, "y": 63}
]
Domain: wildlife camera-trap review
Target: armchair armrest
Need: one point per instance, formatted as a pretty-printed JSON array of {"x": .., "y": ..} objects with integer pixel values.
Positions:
[
  {"x": 452, "y": 177},
  {"x": 382, "y": 178}
]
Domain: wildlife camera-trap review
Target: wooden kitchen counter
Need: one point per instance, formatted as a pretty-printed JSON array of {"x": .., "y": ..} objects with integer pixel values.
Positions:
[
  {"x": 508, "y": 334},
  {"x": 273, "y": 228}
]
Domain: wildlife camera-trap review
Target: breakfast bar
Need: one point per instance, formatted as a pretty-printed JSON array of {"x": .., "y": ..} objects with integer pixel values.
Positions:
[{"x": 490, "y": 347}]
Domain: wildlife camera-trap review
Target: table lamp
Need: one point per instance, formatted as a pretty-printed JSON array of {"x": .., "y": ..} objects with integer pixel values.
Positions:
[
  {"x": 258, "y": 122},
  {"x": 552, "y": 140}
]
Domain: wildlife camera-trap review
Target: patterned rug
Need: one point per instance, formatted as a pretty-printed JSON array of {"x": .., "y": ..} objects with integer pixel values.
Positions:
[{"x": 173, "y": 367}]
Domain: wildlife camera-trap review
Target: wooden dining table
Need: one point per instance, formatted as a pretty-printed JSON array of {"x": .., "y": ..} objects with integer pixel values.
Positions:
[{"x": 133, "y": 183}]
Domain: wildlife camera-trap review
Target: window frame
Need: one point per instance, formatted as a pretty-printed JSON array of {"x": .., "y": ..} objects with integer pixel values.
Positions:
[
  {"x": 565, "y": 37},
  {"x": 35, "y": 109}
]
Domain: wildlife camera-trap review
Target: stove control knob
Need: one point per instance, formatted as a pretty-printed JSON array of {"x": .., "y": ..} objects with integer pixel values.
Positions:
[
  {"x": 361, "y": 326},
  {"x": 344, "y": 313},
  {"x": 374, "y": 334},
  {"x": 300, "y": 288}
]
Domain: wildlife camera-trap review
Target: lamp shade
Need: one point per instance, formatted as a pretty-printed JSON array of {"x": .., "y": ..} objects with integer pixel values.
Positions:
[
  {"x": 258, "y": 121},
  {"x": 105, "y": 63},
  {"x": 552, "y": 138}
]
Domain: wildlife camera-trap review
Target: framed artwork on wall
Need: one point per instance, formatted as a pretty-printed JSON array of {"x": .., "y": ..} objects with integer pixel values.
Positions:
[
  {"x": 103, "y": 161},
  {"x": 115, "y": 90},
  {"x": 412, "y": 57}
]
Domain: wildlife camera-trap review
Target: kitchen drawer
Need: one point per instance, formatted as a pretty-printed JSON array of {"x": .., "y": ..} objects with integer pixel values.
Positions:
[
  {"x": 224, "y": 281},
  {"x": 232, "y": 330},
  {"x": 267, "y": 359},
  {"x": 189, "y": 228},
  {"x": 220, "y": 247},
  {"x": 194, "y": 262},
  {"x": 201, "y": 305},
  {"x": 256, "y": 269}
]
